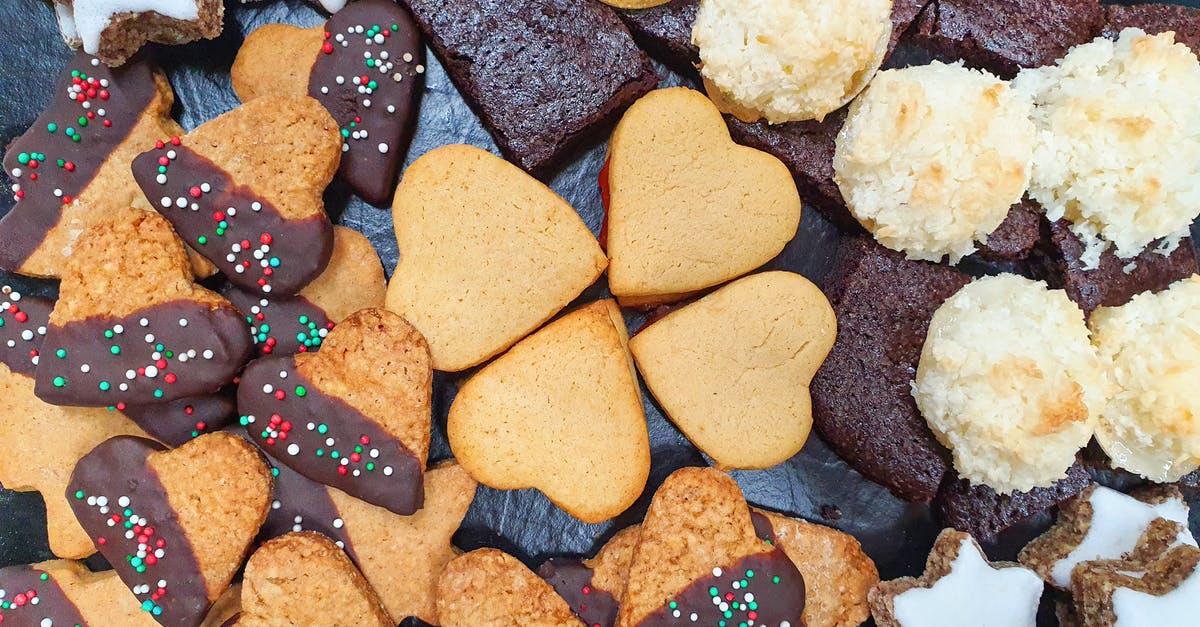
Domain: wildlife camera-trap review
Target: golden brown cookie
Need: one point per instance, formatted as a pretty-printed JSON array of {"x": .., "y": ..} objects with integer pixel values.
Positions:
[
  {"x": 244, "y": 190},
  {"x": 353, "y": 280},
  {"x": 554, "y": 412},
  {"x": 698, "y": 558},
  {"x": 175, "y": 524},
  {"x": 304, "y": 579},
  {"x": 732, "y": 369},
  {"x": 689, "y": 209},
  {"x": 487, "y": 254},
  {"x": 130, "y": 326},
  {"x": 64, "y": 592},
  {"x": 489, "y": 588},
  {"x": 355, "y": 416}
]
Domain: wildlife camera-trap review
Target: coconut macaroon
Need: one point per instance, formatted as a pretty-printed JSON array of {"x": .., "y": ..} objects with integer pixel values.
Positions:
[
  {"x": 1118, "y": 141},
  {"x": 1009, "y": 380},
  {"x": 1152, "y": 423},
  {"x": 789, "y": 60},
  {"x": 932, "y": 157}
]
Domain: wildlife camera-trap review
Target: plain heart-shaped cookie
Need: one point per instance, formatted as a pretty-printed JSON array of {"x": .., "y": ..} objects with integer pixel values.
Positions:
[
  {"x": 555, "y": 413},
  {"x": 732, "y": 369},
  {"x": 689, "y": 209},
  {"x": 244, "y": 190},
  {"x": 63, "y": 592},
  {"x": 286, "y": 575},
  {"x": 174, "y": 524},
  {"x": 364, "y": 65},
  {"x": 487, "y": 254},
  {"x": 355, "y": 416},
  {"x": 699, "y": 559},
  {"x": 490, "y": 587},
  {"x": 134, "y": 329}
]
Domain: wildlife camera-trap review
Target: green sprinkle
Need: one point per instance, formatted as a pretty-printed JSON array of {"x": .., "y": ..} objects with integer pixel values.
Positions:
[
  {"x": 202, "y": 240},
  {"x": 59, "y": 382},
  {"x": 370, "y": 466},
  {"x": 303, "y": 319},
  {"x": 60, "y": 353},
  {"x": 104, "y": 386},
  {"x": 23, "y": 158},
  {"x": 44, "y": 577},
  {"x": 775, "y": 579},
  {"x": 52, "y": 127},
  {"x": 79, "y": 494},
  {"x": 322, "y": 428},
  {"x": 108, "y": 334},
  {"x": 300, "y": 391},
  {"x": 158, "y": 393},
  {"x": 320, "y": 452},
  {"x": 243, "y": 421},
  {"x": 116, "y": 350}
]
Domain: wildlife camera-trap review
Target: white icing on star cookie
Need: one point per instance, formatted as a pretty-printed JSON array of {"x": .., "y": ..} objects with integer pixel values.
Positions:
[
  {"x": 86, "y": 19},
  {"x": 333, "y": 6},
  {"x": 1177, "y": 608},
  {"x": 973, "y": 593},
  {"x": 1118, "y": 522}
]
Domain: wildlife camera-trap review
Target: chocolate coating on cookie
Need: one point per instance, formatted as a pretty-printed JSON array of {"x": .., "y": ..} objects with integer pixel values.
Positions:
[
  {"x": 325, "y": 439},
  {"x": 572, "y": 580},
  {"x": 368, "y": 75},
  {"x": 29, "y": 596},
  {"x": 235, "y": 228},
  {"x": 301, "y": 504},
  {"x": 175, "y": 422},
  {"x": 161, "y": 353},
  {"x": 23, "y": 322},
  {"x": 93, "y": 110},
  {"x": 725, "y": 595},
  {"x": 281, "y": 325},
  {"x": 124, "y": 508}
]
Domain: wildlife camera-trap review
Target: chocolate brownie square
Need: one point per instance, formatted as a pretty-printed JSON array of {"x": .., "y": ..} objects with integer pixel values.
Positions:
[
  {"x": 1154, "y": 19},
  {"x": 1004, "y": 36},
  {"x": 862, "y": 399},
  {"x": 1017, "y": 237},
  {"x": 665, "y": 31},
  {"x": 542, "y": 74},
  {"x": 981, "y": 512},
  {"x": 1109, "y": 285}
]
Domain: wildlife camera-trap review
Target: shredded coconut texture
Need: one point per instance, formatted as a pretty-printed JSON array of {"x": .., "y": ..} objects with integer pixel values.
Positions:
[
  {"x": 789, "y": 60},
  {"x": 932, "y": 158},
  {"x": 1010, "y": 382},
  {"x": 1118, "y": 142},
  {"x": 1152, "y": 423}
]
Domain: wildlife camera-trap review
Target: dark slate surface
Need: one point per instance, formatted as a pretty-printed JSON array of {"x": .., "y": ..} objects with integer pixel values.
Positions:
[{"x": 815, "y": 484}]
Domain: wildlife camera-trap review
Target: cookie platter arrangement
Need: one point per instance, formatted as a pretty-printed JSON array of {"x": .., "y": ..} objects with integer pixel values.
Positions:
[{"x": 571, "y": 312}]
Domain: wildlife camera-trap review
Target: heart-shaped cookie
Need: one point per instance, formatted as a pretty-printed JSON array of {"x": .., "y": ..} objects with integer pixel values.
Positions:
[
  {"x": 355, "y": 416},
  {"x": 593, "y": 587},
  {"x": 285, "y": 576},
  {"x": 135, "y": 329},
  {"x": 244, "y": 190},
  {"x": 283, "y": 325},
  {"x": 364, "y": 65},
  {"x": 63, "y": 592},
  {"x": 732, "y": 369},
  {"x": 175, "y": 524},
  {"x": 699, "y": 559},
  {"x": 554, "y": 412},
  {"x": 688, "y": 208},
  {"x": 490, "y": 587},
  {"x": 487, "y": 254}
]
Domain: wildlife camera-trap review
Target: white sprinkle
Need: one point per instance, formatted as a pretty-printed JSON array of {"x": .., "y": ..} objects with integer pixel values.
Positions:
[
  {"x": 205, "y": 187},
  {"x": 144, "y": 322},
  {"x": 717, "y": 572},
  {"x": 407, "y": 57},
  {"x": 420, "y": 69},
  {"x": 337, "y": 523},
  {"x": 149, "y": 338},
  {"x": 268, "y": 388},
  {"x": 183, "y": 322},
  {"x": 208, "y": 354},
  {"x": 293, "y": 449},
  {"x": 151, "y": 372},
  {"x": 162, "y": 180},
  {"x": 85, "y": 368},
  {"x": 181, "y": 202},
  {"x": 123, "y": 501},
  {"x": 256, "y": 206},
  {"x": 383, "y": 148},
  {"x": 387, "y": 471}
]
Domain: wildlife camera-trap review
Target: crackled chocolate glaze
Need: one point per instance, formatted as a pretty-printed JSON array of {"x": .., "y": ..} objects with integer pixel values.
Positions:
[
  {"x": 764, "y": 587},
  {"x": 367, "y": 75},
  {"x": 161, "y": 353},
  {"x": 176, "y": 422},
  {"x": 241, "y": 233},
  {"x": 93, "y": 110},
  {"x": 572, "y": 580},
  {"x": 301, "y": 504},
  {"x": 31, "y": 598},
  {"x": 281, "y": 325},
  {"x": 326, "y": 440},
  {"x": 22, "y": 329},
  {"x": 123, "y": 507}
]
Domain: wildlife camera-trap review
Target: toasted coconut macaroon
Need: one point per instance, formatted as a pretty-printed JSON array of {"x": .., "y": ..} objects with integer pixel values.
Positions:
[
  {"x": 1010, "y": 382},
  {"x": 1118, "y": 141},
  {"x": 789, "y": 60},
  {"x": 932, "y": 158},
  {"x": 1151, "y": 425}
]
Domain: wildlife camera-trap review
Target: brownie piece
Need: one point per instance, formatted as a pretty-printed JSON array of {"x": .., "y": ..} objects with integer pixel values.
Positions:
[
  {"x": 1154, "y": 19},
  {"x": 1004, "y": 36},
  {"x": 665, "y": 31},
  {"x": 542, "y": 74},
  {"x": 1017, "y": 236},
  {"x": 1109, "y": 285},
  {"x": 980, "y": 511},
  {"x": 862, "y": 400}
]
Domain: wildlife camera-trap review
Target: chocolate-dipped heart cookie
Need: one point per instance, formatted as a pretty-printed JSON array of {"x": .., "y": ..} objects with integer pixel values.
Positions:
[
  {"x": 364, "y": 65},
  {"x": 355, "y": 416},
  {"x": 176, "y": 524},
  {"x": 136, "y": 329},
  {"x": 490, "y": 587},
  {"x": 244, "y": 190}
]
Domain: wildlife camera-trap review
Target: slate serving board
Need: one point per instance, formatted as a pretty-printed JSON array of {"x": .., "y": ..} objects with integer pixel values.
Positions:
[{"x": 815, "y": 484}]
